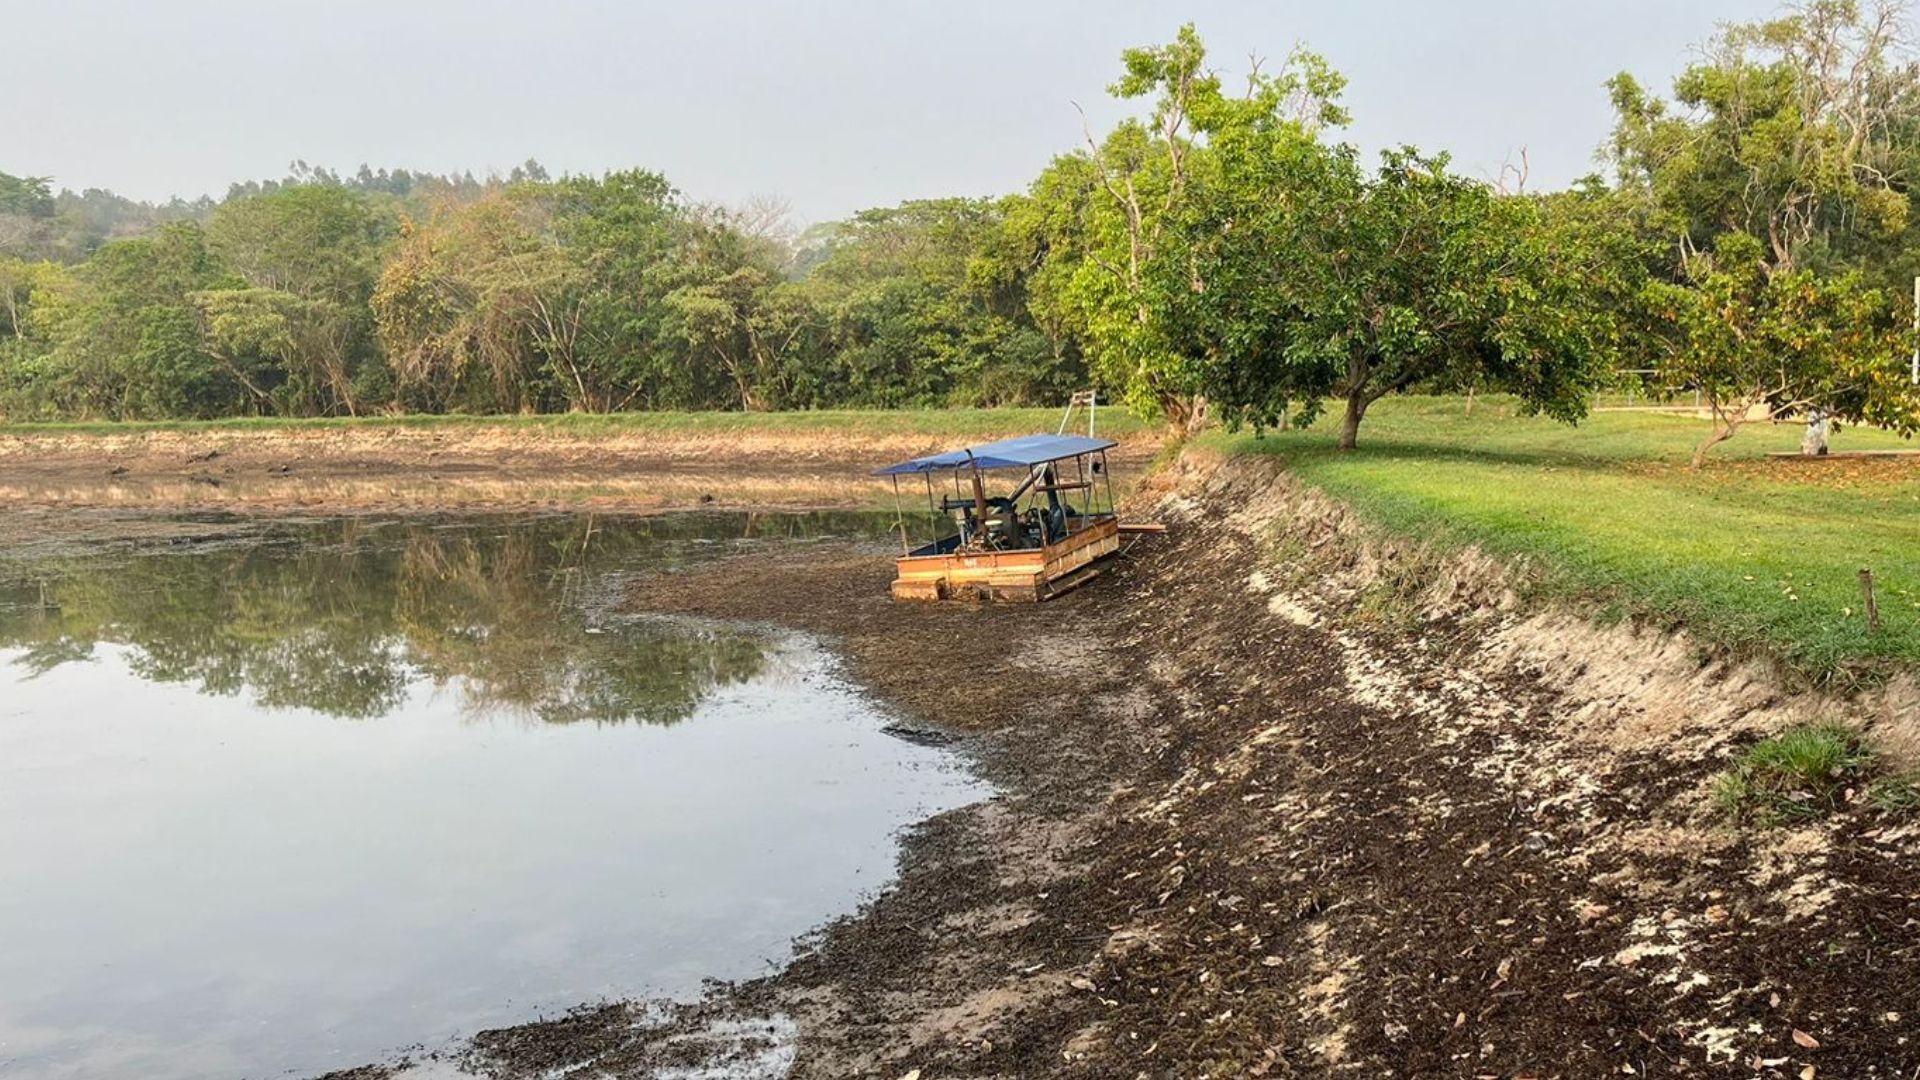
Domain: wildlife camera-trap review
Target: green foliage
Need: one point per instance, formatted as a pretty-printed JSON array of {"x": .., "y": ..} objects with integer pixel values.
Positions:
[
  {"x": 1786, "y": 153},
  {"x": 1214, "y": 254},
  {"x": 117, "y": 337},
  {"x": 1801, "y": 774},
  {"x": 1794, "y": 130},
  {"x": 28, "y": 196},
  {"x": 925, "y": 303},
  {"x": 1783, "y": 343},
  {"x": 308, "y": 257},
  {"x": 1410, "y": 278},
  {"x": 1103, "y": 224}
]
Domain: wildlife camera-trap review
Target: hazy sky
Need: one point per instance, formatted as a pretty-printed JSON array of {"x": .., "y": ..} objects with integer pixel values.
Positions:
[{"x": 834, "y": 105}]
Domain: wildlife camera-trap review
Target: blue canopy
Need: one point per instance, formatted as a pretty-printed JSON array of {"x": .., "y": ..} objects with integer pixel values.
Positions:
[{"x": 1022, "y": 453}]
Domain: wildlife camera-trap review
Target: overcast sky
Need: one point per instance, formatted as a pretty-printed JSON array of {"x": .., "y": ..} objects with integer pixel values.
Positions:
[{"x": 833, "y": 104}]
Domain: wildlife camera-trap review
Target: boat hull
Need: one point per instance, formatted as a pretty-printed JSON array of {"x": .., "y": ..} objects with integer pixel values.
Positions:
[{"x": 1028, "y": 576}]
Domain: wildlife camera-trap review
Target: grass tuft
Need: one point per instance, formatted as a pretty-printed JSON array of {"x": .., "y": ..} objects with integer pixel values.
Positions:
[
  {"x": 1798, "y": 775},
  {"x": 1897, "y": 794}
]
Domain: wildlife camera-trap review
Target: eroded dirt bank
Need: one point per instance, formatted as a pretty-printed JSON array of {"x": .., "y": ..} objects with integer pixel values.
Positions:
[
  {"x": 1243, "y": 835},
  {"x": 455, "y": 466}
]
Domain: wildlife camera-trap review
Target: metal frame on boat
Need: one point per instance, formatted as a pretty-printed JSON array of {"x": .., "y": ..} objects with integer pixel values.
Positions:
[{"x": 1001, "y": 549}]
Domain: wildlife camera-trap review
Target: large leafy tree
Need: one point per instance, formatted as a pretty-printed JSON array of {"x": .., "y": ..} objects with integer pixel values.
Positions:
[
  {"x": 631, "y": 240},
  {"x": 473, "y": 303},
  {"x": 1796, "y": 130},
  {"x": 924, "y": 304},
  {"x": 1107, "y": 212},
  {"x": 1799, "y": 133},
  {"x": 587, "y": 294},
  {"x": 118, "y": 337},
  {"x": 30, "y": 196},
  {"x": 26, "y": 207},
  {"x": 747, "y": 328},
  {"x": 1308, "y": 278},
  {"x": 1759, "y": 344},
  {"x": 299, "y": 334}
]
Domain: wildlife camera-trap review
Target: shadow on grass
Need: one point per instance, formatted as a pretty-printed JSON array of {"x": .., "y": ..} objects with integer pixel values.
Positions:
[{"x": 1390, "y": 448}]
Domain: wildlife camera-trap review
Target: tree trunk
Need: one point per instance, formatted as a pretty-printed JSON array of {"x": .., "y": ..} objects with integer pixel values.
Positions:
[
  {"x": 1819, "y": 425},
  {"x": 1719, "y": 436},
  {"x": 1196, "y": 414},
  {"x": 1186, "y": 415},
  {"x": 1350, "y": 426}
]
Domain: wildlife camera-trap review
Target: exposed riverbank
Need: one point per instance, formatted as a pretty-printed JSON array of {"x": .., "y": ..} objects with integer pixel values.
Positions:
[
  {"x": 638, "y": 463},
  {"x": 1244, "y": 833}
]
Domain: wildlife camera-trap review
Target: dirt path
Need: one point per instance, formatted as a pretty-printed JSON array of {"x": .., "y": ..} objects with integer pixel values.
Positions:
[{"x": 1239, "y": 838}]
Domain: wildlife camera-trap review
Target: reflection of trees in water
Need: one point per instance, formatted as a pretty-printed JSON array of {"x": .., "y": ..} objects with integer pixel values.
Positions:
[
  {"x": 293, "y": 626},
  {"x": 342, "y": 617},
  {"x": 495, "y": 616}
]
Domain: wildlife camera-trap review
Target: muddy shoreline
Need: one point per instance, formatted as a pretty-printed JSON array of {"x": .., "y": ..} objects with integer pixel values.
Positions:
[{"x": 1239, "y": 838}]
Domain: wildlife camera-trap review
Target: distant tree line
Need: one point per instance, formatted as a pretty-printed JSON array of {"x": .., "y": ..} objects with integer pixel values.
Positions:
[
  {"x": 326, "y": 295},
  {"x": 1220, "y": 256}
]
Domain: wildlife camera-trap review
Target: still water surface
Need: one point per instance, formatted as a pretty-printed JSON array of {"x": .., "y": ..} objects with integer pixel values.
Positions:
[{"x": 276, "y": 799}]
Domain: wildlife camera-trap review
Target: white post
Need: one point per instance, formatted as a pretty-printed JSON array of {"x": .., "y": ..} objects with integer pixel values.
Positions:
[{"x": 1916, "y": 330}]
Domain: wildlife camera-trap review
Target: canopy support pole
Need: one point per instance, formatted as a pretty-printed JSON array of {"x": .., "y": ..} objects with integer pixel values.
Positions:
[{"x": 900, "y": 518}]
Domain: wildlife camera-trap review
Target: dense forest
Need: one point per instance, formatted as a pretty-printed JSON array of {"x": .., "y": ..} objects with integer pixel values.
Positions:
[{"x": 1224, "y": 254}]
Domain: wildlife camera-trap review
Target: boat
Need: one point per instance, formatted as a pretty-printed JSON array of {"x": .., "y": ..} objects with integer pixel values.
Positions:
[{"x": 1040, "y": 539}]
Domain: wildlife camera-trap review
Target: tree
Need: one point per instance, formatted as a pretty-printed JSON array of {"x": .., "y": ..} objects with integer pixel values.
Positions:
[
  {"x": 308, "y": 256},
  {"x": 1125, "y": 191},
  {"x": 637, "y": 240},
  {"x": 924, "y": 304},
  {"x": 1797, "y": 131},
  {"x": 732, "y": 322},
  {"x": 29, "y": 196},
  {"x": 26, "y": 210},
  {"x": 469, "y": 304},
  {"x": 547, "y": 294},
  {"x": 16, "y": 292},
  {"x": 119, "y": 338},
  {"x": 1793, "y": 133},
  {"x": 1769, "y": 344},
  {"x": 1410, "y": 277},
  {"x": 274, "y": 343}
]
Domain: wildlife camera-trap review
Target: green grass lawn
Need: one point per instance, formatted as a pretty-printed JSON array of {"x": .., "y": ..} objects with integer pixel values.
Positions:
[
  {"x": 1113, "y": 422},
  {"x": 1754, "y": 554}
]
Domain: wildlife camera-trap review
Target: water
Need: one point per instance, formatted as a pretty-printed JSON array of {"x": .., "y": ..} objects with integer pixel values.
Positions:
[{"x": 278, "y": 799}]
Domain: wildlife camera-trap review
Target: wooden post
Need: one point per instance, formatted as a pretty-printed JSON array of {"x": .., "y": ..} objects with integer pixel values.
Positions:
[{"x": 1873, "y": 606}]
